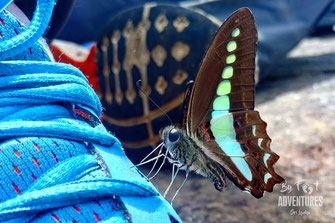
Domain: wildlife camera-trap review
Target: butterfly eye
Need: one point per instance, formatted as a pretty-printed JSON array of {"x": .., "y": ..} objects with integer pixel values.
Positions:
[{"x": 173, "y": 135}]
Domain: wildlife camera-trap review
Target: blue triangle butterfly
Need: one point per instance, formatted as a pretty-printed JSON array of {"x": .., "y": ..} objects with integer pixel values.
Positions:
[{"x": 221, "y": 134}]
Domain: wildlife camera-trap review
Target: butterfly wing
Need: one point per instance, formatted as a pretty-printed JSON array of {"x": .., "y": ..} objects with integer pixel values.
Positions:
[{"x": 220, "y": 115}]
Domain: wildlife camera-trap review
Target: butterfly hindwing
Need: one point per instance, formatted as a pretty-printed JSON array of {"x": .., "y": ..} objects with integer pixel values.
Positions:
[
  {"x": 220, "y": 111},
  {"x": 239, "y": 142}
]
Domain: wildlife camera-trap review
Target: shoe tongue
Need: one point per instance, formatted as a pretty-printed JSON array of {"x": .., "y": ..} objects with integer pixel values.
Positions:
[{"x": 12, "y": 22}]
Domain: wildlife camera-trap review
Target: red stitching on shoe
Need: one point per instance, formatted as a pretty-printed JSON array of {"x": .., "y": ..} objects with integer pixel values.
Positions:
[
  {"x": 55, "y": 158},
  {"x": 0, "y": 34},
  {"x": 55, "y": 218},
  {"x": 4, "y": 13},
  {"x": 37, "y": 147},
  {"x": 97, "y": 203},
  {"x": 34, "y": 178},
  {"x": 36, "y": 162},
  {"x": 15, "y": 32},
  {"x": 30, "y": 50},
  {"x": 56, "y": 144},
  {"x": 16, "y": 189},
  {"x": 16, "y": 170},
  {"x": 74, "y": 222},
  {"x": 17, "y": 153},
  {"x": 77, "y": 209},
  {"x": 96, "y": 217},
  {"x": 82, "y": 113},
  {"x": 2, "y": 23},
  {"x": 18, "y": 141}
]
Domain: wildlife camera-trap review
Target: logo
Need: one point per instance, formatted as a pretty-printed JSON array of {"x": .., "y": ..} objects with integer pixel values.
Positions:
[{"x": 307, "y": 197}]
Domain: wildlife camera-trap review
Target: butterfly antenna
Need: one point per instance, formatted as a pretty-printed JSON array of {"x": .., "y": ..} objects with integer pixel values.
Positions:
[
  {"x": 181, "y": 186},
  {"x": 138, "y": 84}
]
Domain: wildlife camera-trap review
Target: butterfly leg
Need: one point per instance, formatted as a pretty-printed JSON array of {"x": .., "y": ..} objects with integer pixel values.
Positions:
[
  {"x": 181, "y": 186},
  {"x": 159, "y": 146},
  {"x": 186, "y": 176},
  {"x": 162, "y": 164},
  {"x": 172, "y": 180},
  {"x": 150, "y": 160},
  {"x": 173, "y": 169},
  {"x": 153, "y": 166}
]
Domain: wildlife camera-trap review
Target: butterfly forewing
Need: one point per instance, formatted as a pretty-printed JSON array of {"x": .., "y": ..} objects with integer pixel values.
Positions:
[
  {"x": 220, "y": 113},
  {"x": 239, "y": 35}
]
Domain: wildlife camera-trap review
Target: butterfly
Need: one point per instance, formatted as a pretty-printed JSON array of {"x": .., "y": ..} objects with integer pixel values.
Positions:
[{"x": 220, "y": 133}]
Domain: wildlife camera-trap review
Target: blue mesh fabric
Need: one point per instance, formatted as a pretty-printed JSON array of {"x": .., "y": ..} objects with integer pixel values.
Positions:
[{"x": 58, "y": 162}]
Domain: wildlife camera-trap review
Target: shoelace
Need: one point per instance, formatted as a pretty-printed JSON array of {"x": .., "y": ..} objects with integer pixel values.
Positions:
[
  {"x": 36, "y": 29},
  {"x": 35, "y": 91},
  {"x": 53, "y": 100}
]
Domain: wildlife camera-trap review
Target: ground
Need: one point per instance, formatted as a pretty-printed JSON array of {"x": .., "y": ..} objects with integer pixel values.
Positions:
[{"x": 298, "y": 103}]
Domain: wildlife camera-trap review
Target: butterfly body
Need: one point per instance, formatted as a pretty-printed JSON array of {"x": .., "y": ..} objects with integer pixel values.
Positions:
[
  {"x": 188, "y": 155},
  {"x": 220, "y": 133}
]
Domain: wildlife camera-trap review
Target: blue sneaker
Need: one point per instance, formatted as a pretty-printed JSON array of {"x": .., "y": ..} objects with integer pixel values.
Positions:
[{"x": 58, "y": 162}]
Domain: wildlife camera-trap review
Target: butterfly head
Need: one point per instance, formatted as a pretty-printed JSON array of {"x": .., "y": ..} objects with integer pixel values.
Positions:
[{"x": 174, "y": 139}]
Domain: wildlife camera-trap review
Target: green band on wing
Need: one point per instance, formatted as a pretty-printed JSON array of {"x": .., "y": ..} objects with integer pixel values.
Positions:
[
  {"x": 243, "y": 167},
  {"x": 221, "y": 103},
  {"x": 254, "y": 130},
  {"x": 223, "y": 126},
  {"x": 231, "y": 46},
  {"x": 223, "y": 88},
  {"x": 229, "y": 147},
  {"x": 227, "y": 72},
  {"x": 265, "y": 158},
  {"x": 236, "y": 32},
  {"x": 260, "y": 140},
  {"x": 223, "y": 130},
  {"x": 218, "y": 113},
  {"x": 267, "y": 176},
  {"x": 230, "y": 59}
]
